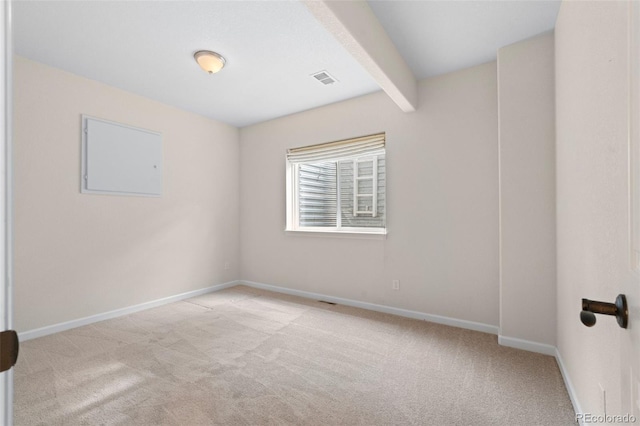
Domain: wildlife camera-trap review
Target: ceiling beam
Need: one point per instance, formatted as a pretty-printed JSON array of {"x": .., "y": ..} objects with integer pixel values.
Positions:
[{"x": 354, "y": 24}]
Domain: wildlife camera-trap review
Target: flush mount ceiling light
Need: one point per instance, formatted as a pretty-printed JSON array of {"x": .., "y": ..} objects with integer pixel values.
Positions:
[{"x": 209, "y": 61}]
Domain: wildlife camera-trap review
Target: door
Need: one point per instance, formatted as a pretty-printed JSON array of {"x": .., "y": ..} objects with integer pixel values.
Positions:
[
  {"x": 6, "y": 339},
  {"x": 630, "y": 344},
  {"x": 598, "y": 201}
]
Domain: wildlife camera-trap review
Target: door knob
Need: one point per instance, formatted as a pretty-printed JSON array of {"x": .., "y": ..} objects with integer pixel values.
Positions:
[
  {"x": 9, "y": 346},
  {"x": 618, "y": 309}
]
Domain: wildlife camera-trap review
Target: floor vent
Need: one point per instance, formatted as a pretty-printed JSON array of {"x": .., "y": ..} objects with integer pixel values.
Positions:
[
  {"x": 324, "y": 77},
  {"x": 328, "y": 303}
]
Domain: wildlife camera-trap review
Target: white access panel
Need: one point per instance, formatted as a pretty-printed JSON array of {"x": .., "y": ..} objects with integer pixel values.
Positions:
[{"x": 119, "y": 159}]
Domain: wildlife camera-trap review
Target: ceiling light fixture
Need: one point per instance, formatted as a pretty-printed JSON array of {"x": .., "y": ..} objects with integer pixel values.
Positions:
[{"x": 209, "y": 61}]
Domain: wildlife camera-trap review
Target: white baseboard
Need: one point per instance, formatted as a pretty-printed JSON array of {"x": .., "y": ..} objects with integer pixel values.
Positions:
[
  {"x": 567, "y": 382},
  {"x": 527, "y": 345},
  {"x": 55, "y": 328},
  {"x": 469, "y": 325}
]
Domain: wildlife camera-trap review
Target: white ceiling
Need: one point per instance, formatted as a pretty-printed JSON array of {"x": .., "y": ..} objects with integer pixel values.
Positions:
[
  {"x": 436, "y": 37},
  {"x": 271, "y": 47}
]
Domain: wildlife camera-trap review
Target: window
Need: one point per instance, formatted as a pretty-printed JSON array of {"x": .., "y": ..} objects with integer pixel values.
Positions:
[{"x": 337, "y": 186}]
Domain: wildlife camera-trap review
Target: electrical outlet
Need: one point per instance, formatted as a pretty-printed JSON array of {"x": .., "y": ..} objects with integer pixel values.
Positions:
[
  {"x": 395, "y": 284},
  {"x": 634, "y": 387},
  {"x": 637, "y": 397},
  {"x": 227, "y": 265},
  {"x": 603, "y": 392}
]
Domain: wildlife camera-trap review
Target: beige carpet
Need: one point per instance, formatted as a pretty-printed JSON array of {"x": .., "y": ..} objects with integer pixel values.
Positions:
[{"x": 249, "y": 357}]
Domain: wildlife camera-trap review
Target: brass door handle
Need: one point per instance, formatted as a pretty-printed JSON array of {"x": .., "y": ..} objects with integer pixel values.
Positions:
[{"x": 618, "y": 309}]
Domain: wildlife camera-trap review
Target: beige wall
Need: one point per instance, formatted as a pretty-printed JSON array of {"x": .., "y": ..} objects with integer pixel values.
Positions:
[
  {"x": 526, "y": 101},
  {"x": 442, "y": 202},
  {"x": 592, "y": 193},
  {"x": 78, "y": 255}
]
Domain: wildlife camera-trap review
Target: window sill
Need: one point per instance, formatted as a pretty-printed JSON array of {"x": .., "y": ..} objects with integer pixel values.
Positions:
[{"x": 368, "y": 235}]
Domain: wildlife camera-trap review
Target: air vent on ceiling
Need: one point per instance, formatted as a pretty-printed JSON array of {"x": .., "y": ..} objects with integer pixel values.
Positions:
[{"x": 324, "y": 77}]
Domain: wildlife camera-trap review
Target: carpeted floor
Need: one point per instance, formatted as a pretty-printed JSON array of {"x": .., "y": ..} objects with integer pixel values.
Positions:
[{"x": 250, "y": 357}]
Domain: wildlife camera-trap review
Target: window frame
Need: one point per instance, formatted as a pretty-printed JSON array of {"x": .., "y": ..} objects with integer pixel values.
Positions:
[{"x": 293, "y": 210}]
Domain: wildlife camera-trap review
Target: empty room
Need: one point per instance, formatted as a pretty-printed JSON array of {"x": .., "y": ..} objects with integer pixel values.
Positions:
[{"x": 320, "y": 212}]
